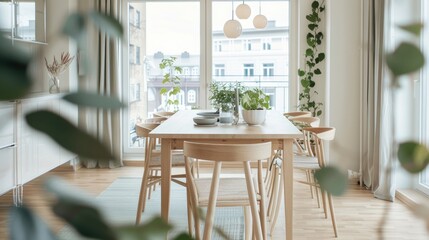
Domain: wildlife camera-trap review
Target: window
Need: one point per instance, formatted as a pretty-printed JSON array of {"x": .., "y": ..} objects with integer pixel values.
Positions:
[
  {"x": 152, "y": 37},
  {"x": 219, "y": 69},
  {"x": 247, "y": 45},
  {"x": 134, "y": 92},
  {"x": 268, "y": 69},
  {"x": 132, "y": 54},
  {"x": 423, "y": 184},
  {"x": 137, "y": 19},
  {"x": 192, "y": 96},
  {"x": 195, "y": 71},
  {"x": 137, "y": 55},
  {"x": 248, "y": 70},
  {"x": 218, "y": 46},
  {"x": 266, "y": 44}
]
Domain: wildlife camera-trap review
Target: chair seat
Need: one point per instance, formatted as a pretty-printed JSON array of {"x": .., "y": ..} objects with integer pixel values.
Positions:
[
  {"x": 232, "y": 191},
  {"x": 305, "y": 159},
  {"x": 176, "y": 160}
]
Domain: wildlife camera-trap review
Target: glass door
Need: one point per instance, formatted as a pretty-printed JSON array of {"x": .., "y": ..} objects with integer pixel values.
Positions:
[{"x": 159, "y": 30}]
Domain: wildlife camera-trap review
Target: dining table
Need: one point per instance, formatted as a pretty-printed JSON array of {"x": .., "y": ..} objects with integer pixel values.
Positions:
[{"x": 180, "y": 127}]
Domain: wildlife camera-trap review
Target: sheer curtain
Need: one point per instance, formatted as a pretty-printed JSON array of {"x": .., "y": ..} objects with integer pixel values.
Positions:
[
  {"x": 103, "y": 79},
  {"x": 376, "y": 116}
]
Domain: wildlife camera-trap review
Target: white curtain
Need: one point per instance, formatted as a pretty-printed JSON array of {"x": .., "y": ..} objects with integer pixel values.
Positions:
[
  {"x": 376, "y": 116},
  {"x": 104, "y": 79}
]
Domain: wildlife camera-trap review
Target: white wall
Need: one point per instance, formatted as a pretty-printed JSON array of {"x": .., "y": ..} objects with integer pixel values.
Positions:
[{"x": 343, "y": 80}]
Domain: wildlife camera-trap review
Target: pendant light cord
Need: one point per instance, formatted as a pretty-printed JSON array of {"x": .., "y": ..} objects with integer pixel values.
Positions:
[{"x": 232, "y": 9}]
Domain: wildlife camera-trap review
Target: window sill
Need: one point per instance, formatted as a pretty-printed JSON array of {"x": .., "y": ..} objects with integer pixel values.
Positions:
[{"x": 411, "y": 197}]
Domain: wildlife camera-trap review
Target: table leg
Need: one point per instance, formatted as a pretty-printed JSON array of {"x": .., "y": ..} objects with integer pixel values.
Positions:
[
  {"x": 165, "y": 177},
  {"x": 288, "y": 185}
]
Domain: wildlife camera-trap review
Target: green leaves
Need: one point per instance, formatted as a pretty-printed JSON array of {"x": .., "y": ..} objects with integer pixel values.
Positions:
[
  {"x": 332, "y": 180},
  {"x": 24, "y": 224},
  {"x": 81, "y": 213},
  {"x": 255, "y": 99},
  {"x": 88, "y": 99},
  {"x": 414, "y": 28},
  {"x": 67, "y": 135},
  {"x": 107, "y": 24},
  {"x": 15, "y": 81},
  {"x": 406, "y": 58},
  {"x": 414, "y": 157},
  {"x": 154, "y": 229},
  {"x": 171, "y": 80},
  {"x": 312, "y": 58},
  {"x": 74, "y": 27}
]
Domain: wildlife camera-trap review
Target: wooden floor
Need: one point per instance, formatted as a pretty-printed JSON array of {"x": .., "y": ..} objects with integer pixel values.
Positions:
[{"x": 358, "y": 213}]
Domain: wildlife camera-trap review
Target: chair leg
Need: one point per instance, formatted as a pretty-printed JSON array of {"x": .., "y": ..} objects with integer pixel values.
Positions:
[
  {"x": 247, "y": 223},
  {"x": 324, "y": 203},
  {"x": 189, "y": 212},
  {"x": 273, "y": 197},
  {"x": 208, "y": 228},
  {"x": 309, "y": 179},
  {"x": 331, "y": 208},
  {"x": 262, "y": 204},
  {"x": 252, "y": 200},
  {"x": 276, "y": 209},
  {"x": 142, "y": 196}
]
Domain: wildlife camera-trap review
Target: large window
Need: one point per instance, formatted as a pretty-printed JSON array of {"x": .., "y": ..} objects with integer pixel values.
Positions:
[
  {"x": 170, "y": 28},
  {"x": 423, "y": 184}
]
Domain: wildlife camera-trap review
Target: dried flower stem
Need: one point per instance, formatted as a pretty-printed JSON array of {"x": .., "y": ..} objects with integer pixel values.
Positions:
[{"x": 56, "y": 68}]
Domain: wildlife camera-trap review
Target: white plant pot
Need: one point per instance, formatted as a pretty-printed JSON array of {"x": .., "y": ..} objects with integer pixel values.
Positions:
[{"x": 254, "y": 117}]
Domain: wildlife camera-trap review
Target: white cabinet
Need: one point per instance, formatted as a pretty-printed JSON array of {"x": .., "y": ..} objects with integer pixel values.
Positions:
[
  {"x": 37, "y": 152},
  {"x": 7, "y": 147}
]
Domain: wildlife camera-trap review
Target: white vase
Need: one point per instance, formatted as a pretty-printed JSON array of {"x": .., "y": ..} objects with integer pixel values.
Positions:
[{"x": 254, "y": 117}]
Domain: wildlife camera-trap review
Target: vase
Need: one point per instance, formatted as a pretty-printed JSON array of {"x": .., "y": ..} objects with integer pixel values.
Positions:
[
  {"x": 54, "y": 85},
  {"x": 226, "y": 113},
  {"x": 254, "y": 117}
]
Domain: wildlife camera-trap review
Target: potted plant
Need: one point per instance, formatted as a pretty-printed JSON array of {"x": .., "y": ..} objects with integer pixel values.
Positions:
[
  {"x": 225, "y": 97},
  {"x": 254, "y": 103},
  {"x": 173, "y": 82}
]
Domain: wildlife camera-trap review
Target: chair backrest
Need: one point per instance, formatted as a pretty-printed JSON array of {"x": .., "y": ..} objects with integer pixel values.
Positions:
[
  {"x": 163, "y": 114},
  {"x": 297, "y": 114},
  {"x": 155, "y": 120},
  {"x": 228, "y": 152},
  {"x": 319, "y": 135},
  {"x": 143, "y": 129},
  {"x": 306, "y": 121}
]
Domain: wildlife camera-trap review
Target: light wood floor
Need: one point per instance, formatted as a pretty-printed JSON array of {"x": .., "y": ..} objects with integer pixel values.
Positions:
[{"x": 358, "y": 213}]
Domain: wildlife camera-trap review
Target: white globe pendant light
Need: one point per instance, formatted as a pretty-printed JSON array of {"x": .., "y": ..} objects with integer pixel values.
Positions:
[
  {"x": 232, "y": 28},
  {"x": 260, "y": 21},
  {"x": 243, "y": 11}
]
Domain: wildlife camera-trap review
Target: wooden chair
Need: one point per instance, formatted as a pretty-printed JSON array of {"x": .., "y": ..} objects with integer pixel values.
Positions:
[
  {"x": 152, "y": 165},
  {"x": 318, "y": 135},
  {"x": 155, "y": 120},
  {"x": 163, "y": 114},
  {"x": 227, "y": 192},
  {"x": 297, "y": 114}
]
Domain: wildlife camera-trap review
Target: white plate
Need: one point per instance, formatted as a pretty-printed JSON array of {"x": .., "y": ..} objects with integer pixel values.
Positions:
[
  {"x": 208, "y": 114},
  {"x": 204, "y": 120}
]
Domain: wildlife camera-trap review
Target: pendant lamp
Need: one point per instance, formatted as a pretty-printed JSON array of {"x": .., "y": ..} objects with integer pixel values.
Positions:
[
  {"x": 260, "y": 21},
  {"x": 232, "y": 28},
  {"x": 243, "y": 11}
]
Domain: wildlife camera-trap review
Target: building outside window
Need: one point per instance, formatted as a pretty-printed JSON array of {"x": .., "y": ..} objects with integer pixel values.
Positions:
[
  {"x": 217, "y": 46},
  {"x": 195, "y": 71},
  {"x": 134, "y": 92},
  {"x": 249, "y": 69},
  {"x": 268, "y": 69},
  {"x": 192, "y": 96},
  {"x": 219, "y": 69},
  {"x": 186, "y": 71},
  {"x": 138, "y": 19},
  {"x": 247, "y": 45},
  {"x": 137, "y": 55},
  {"x": 266, "y": 44},
  {"x": 132, "y": 54}
]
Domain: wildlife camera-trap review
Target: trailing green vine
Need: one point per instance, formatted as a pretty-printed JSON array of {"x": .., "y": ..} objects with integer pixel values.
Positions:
[{"x": 313, "y": 57}]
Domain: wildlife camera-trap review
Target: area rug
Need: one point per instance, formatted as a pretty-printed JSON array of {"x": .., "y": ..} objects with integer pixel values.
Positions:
[{"x": 118, "y": 203}]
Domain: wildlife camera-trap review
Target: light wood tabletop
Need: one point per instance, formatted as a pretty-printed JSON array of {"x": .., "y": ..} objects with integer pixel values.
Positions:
[{"x": 180, "y": 127}]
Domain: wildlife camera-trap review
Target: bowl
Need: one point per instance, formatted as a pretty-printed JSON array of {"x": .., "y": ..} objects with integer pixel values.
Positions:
[{"x": 204, "y": 120}]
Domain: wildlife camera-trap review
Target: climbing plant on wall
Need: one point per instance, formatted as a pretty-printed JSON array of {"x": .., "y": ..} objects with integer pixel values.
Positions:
[{"x": 313, "y": 58}]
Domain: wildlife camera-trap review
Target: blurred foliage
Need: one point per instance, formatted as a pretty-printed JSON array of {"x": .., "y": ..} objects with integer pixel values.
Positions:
[{"x": 71, "y": 205}]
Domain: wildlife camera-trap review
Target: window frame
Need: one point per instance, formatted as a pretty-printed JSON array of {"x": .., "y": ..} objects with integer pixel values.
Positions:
[{"x": 206, "y": 61}]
